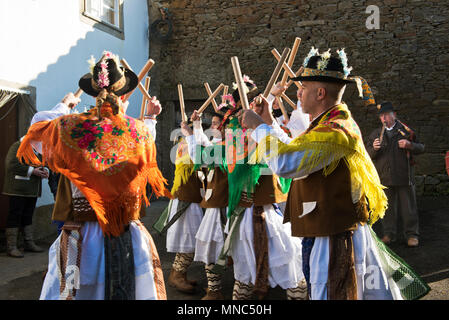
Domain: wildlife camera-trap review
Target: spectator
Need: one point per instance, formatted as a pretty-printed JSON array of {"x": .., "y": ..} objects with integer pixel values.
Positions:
[
  {"x": 393, "y": 157},
  {"x": 23, "y": 185}
]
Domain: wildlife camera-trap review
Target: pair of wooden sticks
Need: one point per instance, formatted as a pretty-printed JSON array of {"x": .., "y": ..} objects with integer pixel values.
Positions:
[
  {"x": 210, "y": 99},
  {"x": 282, "y": 64}
]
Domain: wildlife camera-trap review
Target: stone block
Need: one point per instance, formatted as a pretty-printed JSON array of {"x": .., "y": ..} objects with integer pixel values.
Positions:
[
  {"x": 443, "y": 188},
  {"x": 310, "y": 23},
  {"x": 431, "y": 180}
]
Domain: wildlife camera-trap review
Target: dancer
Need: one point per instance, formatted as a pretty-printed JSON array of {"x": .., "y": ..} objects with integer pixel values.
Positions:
[
  {"x": 336, "y": 193},
  {"x": 103, "y": 251}
]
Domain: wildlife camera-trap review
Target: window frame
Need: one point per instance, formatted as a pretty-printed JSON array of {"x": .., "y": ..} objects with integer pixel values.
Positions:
[{"x": 97, "y": 22}]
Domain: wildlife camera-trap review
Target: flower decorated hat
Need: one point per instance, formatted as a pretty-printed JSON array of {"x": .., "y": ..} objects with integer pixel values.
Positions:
[
  {"x": 328, "y": 67},
  {"x": 230, "y": 104},
  {"x": 108, "y": 74}
]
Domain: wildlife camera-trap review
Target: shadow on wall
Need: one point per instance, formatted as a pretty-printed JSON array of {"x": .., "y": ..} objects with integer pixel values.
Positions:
[{"x": 62, "y": 76}]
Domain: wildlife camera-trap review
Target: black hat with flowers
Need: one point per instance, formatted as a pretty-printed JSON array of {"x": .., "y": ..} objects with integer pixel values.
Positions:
[
  {"x": 108, "y": 74},
  {"x": 326, "y": 67}
]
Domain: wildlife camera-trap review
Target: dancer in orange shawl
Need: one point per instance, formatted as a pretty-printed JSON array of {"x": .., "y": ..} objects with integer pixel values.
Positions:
[{"x": 107, "y": 158}]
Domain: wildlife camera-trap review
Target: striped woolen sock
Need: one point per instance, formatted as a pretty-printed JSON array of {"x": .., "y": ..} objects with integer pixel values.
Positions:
[
  {"x": 182, "y": 261},
  {"x": 298, "y": 293},
  {"x": 213, "y": 279},
  {"x": 242, "y": 291}
]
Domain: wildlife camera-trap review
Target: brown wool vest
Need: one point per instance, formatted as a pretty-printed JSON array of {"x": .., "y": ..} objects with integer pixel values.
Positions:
[
  {"x": 219, "y": 187},
  {"x": 191, "y": 190},
  {"x": 267, "y": 191},
  {"x": 334, "y": 211}
]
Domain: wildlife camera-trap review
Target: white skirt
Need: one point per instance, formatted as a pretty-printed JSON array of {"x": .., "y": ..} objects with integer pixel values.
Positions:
[
  {"x": 372, "y": 282},
  {"x": 284, "y": 251},
  {"x": 92, "y": 265},
  {"x": 181, "y": 234},
  {"x": 210, "y": 237}
]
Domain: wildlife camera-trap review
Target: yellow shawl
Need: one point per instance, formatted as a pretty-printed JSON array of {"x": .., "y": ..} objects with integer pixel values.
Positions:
[{"x": 335, "y": 136}]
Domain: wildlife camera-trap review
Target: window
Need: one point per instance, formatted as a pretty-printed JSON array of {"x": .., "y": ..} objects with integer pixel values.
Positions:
[{"x": 106, "y": 15}]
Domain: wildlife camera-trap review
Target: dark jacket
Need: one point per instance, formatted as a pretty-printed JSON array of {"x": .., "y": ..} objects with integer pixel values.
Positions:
[
  {"x": 14, "y": 185},
  {"x": 394, "y": 164}
]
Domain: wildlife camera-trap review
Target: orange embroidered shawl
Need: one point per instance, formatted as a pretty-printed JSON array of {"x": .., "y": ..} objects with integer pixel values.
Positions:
[{"x": 109, "y": 159}]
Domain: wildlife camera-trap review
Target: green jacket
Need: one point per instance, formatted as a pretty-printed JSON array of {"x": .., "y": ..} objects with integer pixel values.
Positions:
[{"x": 14, "y": 185}]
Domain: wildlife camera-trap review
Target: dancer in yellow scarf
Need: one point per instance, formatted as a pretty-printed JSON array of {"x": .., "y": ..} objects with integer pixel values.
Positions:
[{"x": 336, "y": 193}]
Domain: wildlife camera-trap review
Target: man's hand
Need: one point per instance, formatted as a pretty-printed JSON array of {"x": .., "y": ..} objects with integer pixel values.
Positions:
[
  {"x": 404, "y": 144},
  {"x": 277, "y": 89},
  {"x": 376, "y": 144},
  {"x": 153, "y": 107},
  {"x": 185, "y": 129},
  {"x": 251, "y": 119},
  {"x": 195, "y": 116},
  {"x": 40, "y": 172},
  {"x": 262, "y": 109},
  {"x": 70, "y": 100}
]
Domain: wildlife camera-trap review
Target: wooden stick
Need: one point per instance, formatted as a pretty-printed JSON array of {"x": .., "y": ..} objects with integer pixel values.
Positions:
[
  {"x": 284, "y": 65},
  {"x": 143, "y": 107},
  {"x": 208, "y": 101},
  {"x": 382, "y": 133},
  {"x": 181, "y": 103},
  {"x": 274, "y": 75},
  {"x": 142, "y": 74},
  {"x": 209, "y": 92},
  {"x": 240, "y": 82},
  {"x": 78, "y": 93},
  {"x": 289, "y": 101},
  {"x": 291, "y": 58},
  {"x": 276, "y": 72},
  {"x": 289, "y": 83}
]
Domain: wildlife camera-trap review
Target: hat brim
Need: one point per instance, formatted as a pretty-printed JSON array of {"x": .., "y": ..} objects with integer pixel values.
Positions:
[
  {"x": 322, "y": 79},
  {"x": 85, "y": 83}
]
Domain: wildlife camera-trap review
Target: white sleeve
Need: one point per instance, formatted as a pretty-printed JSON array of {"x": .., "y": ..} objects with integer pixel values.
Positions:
[
  {"x": 280, "y": 134},
  {"x": 191, "y": 146},
  {"x": 30, "y": 171},
  {"x": 151, "y": 125},
  {"x": 299, "y": 121},
  {"x": 200, "y": 136},
  {"x": 61, "y": 109},
  {"x": 286, "y": 165}
]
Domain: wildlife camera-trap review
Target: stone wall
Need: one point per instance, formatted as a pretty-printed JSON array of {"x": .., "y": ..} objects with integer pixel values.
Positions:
[{"x": 405, "y": 60}]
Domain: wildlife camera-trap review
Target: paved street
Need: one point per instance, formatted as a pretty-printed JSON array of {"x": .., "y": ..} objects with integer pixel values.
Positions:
[{"x": 22, "y": 278}]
